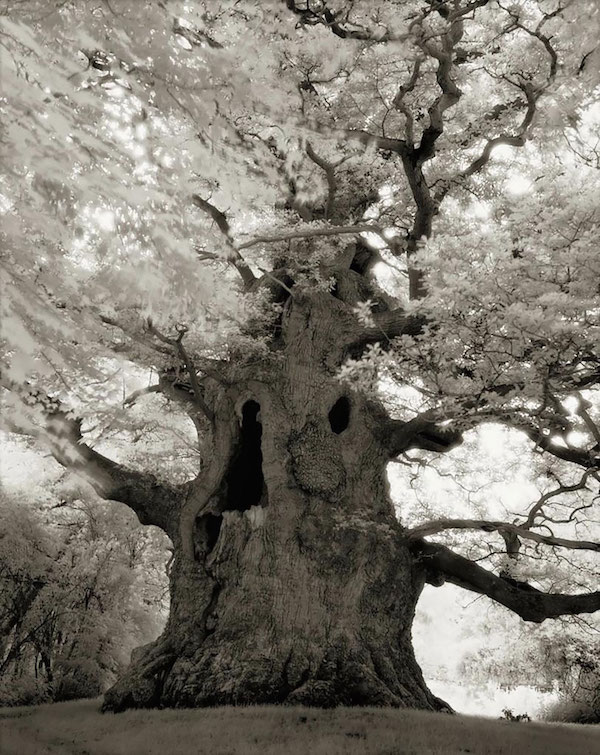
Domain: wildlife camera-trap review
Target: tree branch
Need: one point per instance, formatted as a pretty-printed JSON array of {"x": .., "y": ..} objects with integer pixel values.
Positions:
[
  {"x": 152, "y": 501},
  {"x": 449, "y": 91},
  {"x": 538, "y": 508},
  {"x": 414, "y": 158},
  {"x": 399, "y": 146},
  {"x": 532, "y": 95},
  {"x": 235, "y": 258},
  {"x": 387, "y": 325},
  {"x": 312, "y": 233},
  {"x": 133, "y": 397},
  {"x": 329, "y": 170},
  {"x": 584, "y": 458},
  {"x": 420, "y": 432},
  {"x": 527, "y": 602},
  {"x": 195, "y": 37},
  {"x": 177, "y": 343},
  {"x": 323, "y": 16},
  {"x": 441, "y": 525},
  {"x": 399, "y": 104},
  {"x": 516, "y": 139}
]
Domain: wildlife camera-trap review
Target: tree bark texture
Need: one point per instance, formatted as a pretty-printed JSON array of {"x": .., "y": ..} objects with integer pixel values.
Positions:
[{"x": 291, "y": 581}]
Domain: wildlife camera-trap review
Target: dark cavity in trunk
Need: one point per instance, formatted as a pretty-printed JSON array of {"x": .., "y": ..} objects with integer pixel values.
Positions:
[
  {"x": 245, "y": 480},
  {"x": 339, "y": 415}
]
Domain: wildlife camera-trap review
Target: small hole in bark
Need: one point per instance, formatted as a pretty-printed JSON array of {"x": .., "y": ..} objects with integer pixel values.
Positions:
[
  {"x": 245, "y": 480},
  {"x": 362, "y": 259},
  {"x": 206, "y": 533},
  {"x": 213, "y": 524},
  {"x": 339, "y": 416}
]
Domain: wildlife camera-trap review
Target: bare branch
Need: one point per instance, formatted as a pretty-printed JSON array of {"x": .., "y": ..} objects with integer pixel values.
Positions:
[
  {"x": 441, "y": 525},
  {"x": 222, "y": 224},
  {"x": 366, "y": 138},
  {"x": 345, "y": 29},
  {"x": 467, "y": 8},
  {"x": 195, "y": 37},
  {"x": 423, "y": 432},
  {"x": 138, "y": 336},
  {"x": 589, "y": 459},
  {"x": 537, "y": 508},
  {"x": 532, "y": 95},
  {"x": 449, "y": 95},
  {"x": 133, "y": 397},
  {"x": 399, "y": 104},
  {"x": 526, "y": 601},
  {"x": 177, "y": 343},
  {"x": 329, "y": 169},
  {"x": 516, "y": 139},
  {"x": 309, "y": 233},
  {"x": 210, "y": 367},
  {"x": 414, "y": 158},
  {"x": 386, "y": 326}
]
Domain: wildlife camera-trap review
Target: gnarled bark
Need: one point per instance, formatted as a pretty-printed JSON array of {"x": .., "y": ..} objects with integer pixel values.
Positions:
[{"x": 291, "y": 582}]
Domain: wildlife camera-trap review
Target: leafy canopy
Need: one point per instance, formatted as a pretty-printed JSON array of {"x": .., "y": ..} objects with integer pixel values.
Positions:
[{"x": 164, "y": 159}]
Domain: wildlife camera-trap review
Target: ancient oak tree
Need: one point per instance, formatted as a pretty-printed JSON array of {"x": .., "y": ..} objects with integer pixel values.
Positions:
[{"x": 337, "y": 234}]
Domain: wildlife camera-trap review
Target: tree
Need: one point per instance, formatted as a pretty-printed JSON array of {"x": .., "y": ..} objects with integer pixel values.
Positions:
[
  {"x": 337, "y": 234},
  {"x": 79, "y": 591}
]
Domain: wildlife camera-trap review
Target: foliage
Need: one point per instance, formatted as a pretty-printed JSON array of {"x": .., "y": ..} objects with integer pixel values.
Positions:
[
  {"x": 578, "y": 711},
  {"x": 559, "y": 657},
  {"x": 110, "y": 141},
  {"x": 79, "y": 591},
  {"x": 26, "y": 690},
  {"x": 510, "y": 716}
]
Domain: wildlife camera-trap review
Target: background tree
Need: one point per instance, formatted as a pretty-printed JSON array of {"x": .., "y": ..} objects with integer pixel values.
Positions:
[
  {"x": 308, "y": 223},
  {"x": 556, "y": 657},
  {"x": 79, "y": 591}
]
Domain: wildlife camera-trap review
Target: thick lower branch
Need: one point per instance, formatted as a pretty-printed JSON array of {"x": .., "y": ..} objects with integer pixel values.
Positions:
[
  {"x": 153, "y": 502},
  {"x": 387, "y": 325},
  {"x": 527, "y": 602},
  {"x": 420, "y": 432},
  {"x": 589, "y": 459}
]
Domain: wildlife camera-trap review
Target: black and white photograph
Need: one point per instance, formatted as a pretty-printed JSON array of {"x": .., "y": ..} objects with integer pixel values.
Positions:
[{"x": 300, "y": 377}]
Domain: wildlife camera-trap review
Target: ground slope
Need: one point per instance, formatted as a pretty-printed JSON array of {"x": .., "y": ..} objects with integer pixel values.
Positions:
[{"x": 78, "y": 728}]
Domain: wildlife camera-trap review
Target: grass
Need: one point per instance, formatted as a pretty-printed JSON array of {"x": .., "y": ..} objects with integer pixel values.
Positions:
[{"x": 78, "y": 728}]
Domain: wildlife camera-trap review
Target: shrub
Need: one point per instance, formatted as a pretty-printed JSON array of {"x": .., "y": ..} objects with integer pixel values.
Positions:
[
  {"x": 78, "y": 680},
  {"x": 24, "y": 690},
  {"x": 508, "y": 715},
  {"x": 572, "y": 712}
]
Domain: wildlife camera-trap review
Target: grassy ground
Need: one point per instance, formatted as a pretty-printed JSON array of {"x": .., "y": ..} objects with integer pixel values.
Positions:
[{"x": 78, "y": 728}]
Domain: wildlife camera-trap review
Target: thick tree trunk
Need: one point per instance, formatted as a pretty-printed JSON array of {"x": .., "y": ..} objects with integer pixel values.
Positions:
[
  {"x": 300, "y": 588},
  {"x": 301, "y": 608}
]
